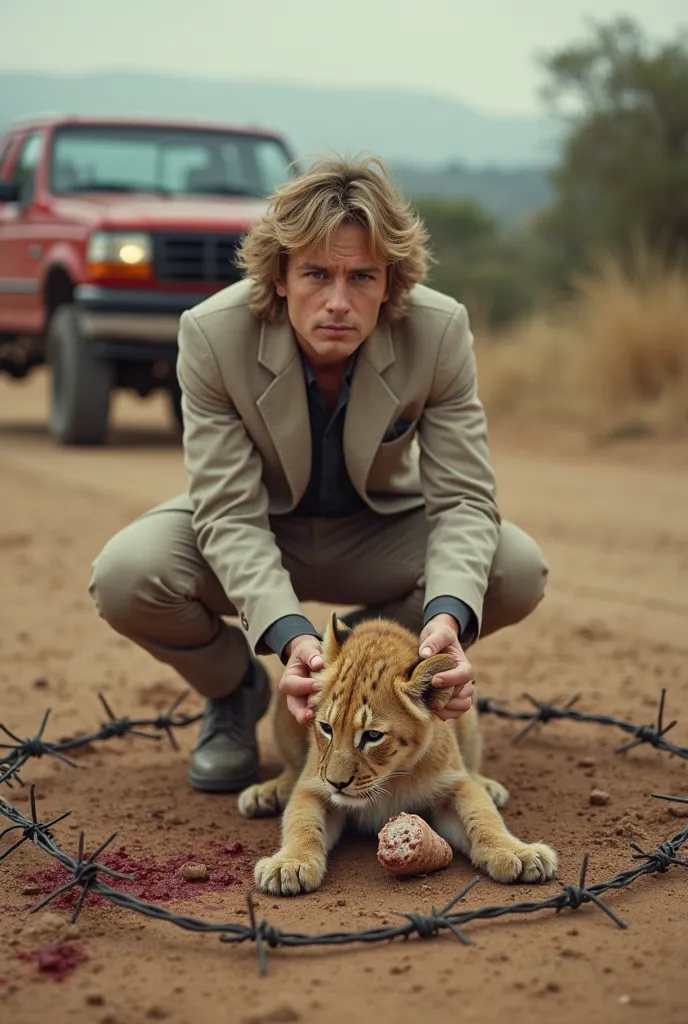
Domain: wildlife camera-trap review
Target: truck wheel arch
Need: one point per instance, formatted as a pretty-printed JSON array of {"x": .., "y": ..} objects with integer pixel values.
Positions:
[{"x": 58, "y": 290}]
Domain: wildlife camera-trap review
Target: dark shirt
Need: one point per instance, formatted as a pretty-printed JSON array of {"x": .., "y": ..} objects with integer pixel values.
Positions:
[{"x": 330, "y": 493}]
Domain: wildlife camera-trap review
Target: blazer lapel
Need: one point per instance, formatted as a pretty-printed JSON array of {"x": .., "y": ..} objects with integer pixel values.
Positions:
[
  {"x": 284, "y": 406},
  {"x": 371, "y": 407}
]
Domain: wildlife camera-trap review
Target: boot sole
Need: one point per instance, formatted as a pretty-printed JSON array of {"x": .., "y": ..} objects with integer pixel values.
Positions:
[{"x": 232, "y": 785}]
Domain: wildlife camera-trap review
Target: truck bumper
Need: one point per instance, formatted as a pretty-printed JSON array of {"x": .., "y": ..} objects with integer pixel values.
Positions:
[{"x": 132, "y": 317}]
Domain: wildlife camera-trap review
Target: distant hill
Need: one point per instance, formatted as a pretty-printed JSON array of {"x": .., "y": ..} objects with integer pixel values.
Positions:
[
  {"x": 509, "y": 194},
  {"x": 404, "y": 127},
  {"x": 435, "y": 145}
]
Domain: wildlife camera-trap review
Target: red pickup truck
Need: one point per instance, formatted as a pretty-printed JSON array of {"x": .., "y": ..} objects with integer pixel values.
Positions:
[{"x": 109, "y": 230}]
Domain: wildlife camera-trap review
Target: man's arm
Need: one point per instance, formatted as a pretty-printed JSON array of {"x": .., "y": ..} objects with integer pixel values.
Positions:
[
  {"x": 457, "y": 481},
  {"x": 230, "y": 501}
]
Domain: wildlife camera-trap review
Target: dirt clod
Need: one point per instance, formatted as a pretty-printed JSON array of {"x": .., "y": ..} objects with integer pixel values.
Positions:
[{"x": 195, "y": 873}]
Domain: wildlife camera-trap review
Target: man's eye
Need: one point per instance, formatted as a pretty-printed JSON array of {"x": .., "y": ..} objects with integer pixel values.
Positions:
[
  {"x": 371, "y": 736},
  {"x": 327, "y": 729}
]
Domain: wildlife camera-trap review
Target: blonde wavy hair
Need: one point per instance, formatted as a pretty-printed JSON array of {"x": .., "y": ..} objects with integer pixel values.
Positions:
[{"x": 309, "y": 209}]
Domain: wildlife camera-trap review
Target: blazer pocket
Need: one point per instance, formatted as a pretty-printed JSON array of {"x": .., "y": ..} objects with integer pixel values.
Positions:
[{"x": 399, "y": 430}]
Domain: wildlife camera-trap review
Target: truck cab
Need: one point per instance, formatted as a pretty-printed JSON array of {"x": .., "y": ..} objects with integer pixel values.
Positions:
[{"x": 109, "y": 230}]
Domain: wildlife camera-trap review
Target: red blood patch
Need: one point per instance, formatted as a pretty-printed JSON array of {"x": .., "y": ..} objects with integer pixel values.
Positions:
[
  {"x": 229, "y": 865},
  {"x": 57, "y": 961}
]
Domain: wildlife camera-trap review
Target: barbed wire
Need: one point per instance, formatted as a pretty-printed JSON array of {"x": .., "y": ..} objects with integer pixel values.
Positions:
[
  {"x": 544, "y": 712},
  {"x": 83, "y": 872},
  {"x": 36, "y": 747}
]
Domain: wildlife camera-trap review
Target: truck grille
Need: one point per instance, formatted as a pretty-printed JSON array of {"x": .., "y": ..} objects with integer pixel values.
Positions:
[{"x": 196, "y": 257}]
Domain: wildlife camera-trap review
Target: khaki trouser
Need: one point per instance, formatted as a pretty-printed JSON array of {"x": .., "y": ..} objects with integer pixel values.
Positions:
[{"x": 152, "y": 585}]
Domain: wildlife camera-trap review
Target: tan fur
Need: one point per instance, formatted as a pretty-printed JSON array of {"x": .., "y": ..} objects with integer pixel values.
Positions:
[{"x": 372, "y": 681}]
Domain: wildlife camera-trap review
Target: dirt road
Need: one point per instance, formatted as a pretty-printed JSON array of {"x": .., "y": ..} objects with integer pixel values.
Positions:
[{"x": 614, "y": 527}]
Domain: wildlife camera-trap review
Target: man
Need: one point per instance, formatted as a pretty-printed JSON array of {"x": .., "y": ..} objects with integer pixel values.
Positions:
[{"x": 336, "y": 452}]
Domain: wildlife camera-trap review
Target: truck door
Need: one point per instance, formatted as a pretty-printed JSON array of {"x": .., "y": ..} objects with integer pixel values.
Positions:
[{"x": 21, "y": 249}]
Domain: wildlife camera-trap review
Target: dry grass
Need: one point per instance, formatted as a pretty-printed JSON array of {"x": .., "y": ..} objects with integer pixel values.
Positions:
[{"x": 613, "y": 358}]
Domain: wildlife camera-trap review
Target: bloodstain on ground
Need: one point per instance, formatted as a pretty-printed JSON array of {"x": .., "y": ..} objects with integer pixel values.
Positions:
[
  {"x": 230, "y": 865},
  {"x": 57, "y": 961}
]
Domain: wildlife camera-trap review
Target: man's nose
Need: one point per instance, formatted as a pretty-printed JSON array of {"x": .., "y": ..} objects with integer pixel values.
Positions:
[
  {"x": 340, "y": 785},
  {"x": 338, "y": 297}
]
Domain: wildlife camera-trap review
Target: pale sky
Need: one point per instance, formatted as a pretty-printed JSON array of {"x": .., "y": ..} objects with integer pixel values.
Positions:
[{"x": 480, "y": 52}]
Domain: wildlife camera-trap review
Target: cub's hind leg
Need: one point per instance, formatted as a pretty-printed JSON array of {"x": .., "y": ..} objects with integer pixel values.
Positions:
[
  {"x": 268, "y": 799},
  {"x": 469, "y": 735}
]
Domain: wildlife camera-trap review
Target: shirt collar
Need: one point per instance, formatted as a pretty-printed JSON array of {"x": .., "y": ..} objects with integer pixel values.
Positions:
[{"x": 348, "y": 372}]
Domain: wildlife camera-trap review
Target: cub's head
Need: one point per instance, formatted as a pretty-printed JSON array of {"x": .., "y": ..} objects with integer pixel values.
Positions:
[{"x": 373, "y": 718}]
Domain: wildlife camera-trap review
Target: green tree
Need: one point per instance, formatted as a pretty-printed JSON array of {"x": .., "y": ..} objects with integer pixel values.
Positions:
[
  {"x": 476, "y": 261},
  {"x": 624, "y": 168}
]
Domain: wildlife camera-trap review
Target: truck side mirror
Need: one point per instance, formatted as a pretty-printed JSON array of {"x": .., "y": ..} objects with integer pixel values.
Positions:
[{"x": 10, "y": 192}]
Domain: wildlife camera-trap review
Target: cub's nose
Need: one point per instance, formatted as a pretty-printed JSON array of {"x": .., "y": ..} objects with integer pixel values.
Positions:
[{"x": 340, "y": 785}]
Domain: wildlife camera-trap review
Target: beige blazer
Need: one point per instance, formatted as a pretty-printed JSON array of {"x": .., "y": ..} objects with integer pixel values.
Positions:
[{"x": 247, "y": 446}]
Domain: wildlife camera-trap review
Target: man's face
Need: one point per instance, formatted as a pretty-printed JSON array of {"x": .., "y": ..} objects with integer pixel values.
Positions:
[{"x": 334, "y": 299}]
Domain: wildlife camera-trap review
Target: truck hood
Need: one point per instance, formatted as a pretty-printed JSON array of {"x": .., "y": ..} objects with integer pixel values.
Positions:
[{"x": 151, "y": 212}]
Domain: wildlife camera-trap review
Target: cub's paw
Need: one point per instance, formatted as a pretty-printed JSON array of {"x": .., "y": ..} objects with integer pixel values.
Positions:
[
  {"x": 288, "y": 876},
  {"x": 519, "y": 862},
  {"x": 494, "y": 789},
  {"x": 265, "y": 799}
]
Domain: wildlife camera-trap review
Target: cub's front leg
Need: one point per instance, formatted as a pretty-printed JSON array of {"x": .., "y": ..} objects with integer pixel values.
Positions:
[
  {"x": 310, "y": 828},
  {"x": 471, "y": 823}
]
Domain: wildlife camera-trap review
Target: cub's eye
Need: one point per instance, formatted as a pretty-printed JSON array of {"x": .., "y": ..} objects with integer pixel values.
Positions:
[
  {"x": 371, "y": 736},
  {"x": 325, "y": 728}
]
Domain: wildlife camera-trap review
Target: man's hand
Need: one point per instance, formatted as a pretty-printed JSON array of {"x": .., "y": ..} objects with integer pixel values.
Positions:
[
  {"x": 305, "y": 656},
  {"x": 440, "y": 636}
]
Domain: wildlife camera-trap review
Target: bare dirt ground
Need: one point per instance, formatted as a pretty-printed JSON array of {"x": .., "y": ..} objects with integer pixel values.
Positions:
[{"x": 613, "y": 524}]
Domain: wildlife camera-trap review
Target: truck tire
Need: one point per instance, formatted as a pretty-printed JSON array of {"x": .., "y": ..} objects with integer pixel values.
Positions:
[{"x": 81, "y": 383}]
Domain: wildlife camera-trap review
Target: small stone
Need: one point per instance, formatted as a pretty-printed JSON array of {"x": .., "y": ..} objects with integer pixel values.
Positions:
[
  {"x": 624, "y": 1000},
  {"x": 599, "y": 798},
  {"x": 31, "y": 889},
  {"x": 400, "y": 969},
  {"x": 195, "y": 873},
  {"x": 587, "y": 762},
  {"x": 95, "y": 999},
  {"x": 341, "y": 903},
  {"x": 47, "y": 928},
  {"x": 40, "y": 683}
]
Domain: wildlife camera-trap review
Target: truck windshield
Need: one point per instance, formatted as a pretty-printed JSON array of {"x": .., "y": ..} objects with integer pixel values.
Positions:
[{"x": 167, "y": 161}]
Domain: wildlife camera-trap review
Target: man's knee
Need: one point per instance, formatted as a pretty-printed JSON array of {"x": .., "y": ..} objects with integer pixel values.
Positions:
[
  {"x": 128, "y": 582},
  {"x": 117, "y": 577},
  {"x": 520, "y": 575}
]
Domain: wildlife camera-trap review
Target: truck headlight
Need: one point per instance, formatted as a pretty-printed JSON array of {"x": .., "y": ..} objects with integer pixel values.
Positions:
[{"x": 120, "y": 254}]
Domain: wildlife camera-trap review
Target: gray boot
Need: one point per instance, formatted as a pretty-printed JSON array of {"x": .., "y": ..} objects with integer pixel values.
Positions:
[{"x": 225, "y": 758}]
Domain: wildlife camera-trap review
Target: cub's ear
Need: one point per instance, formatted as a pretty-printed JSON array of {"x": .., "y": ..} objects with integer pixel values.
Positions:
[
  {"x": 419, "y": 686},
  {"x": 335, "y": 635}
]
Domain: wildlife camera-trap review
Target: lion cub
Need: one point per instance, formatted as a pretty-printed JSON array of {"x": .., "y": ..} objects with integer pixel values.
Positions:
[{"x": 376, "y": 749}]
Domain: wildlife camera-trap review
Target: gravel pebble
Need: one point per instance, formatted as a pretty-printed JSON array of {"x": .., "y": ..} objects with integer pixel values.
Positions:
[
  {"x": 598, "y": 798},
  {"x": 195, "y": 873}
]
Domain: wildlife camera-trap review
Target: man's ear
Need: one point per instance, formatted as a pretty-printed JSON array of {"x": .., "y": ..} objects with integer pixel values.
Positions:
[
  {"x": 280, "y": 279},
  {"x": 419, "y": 686},
  {"x": 335, "y": 635}
]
